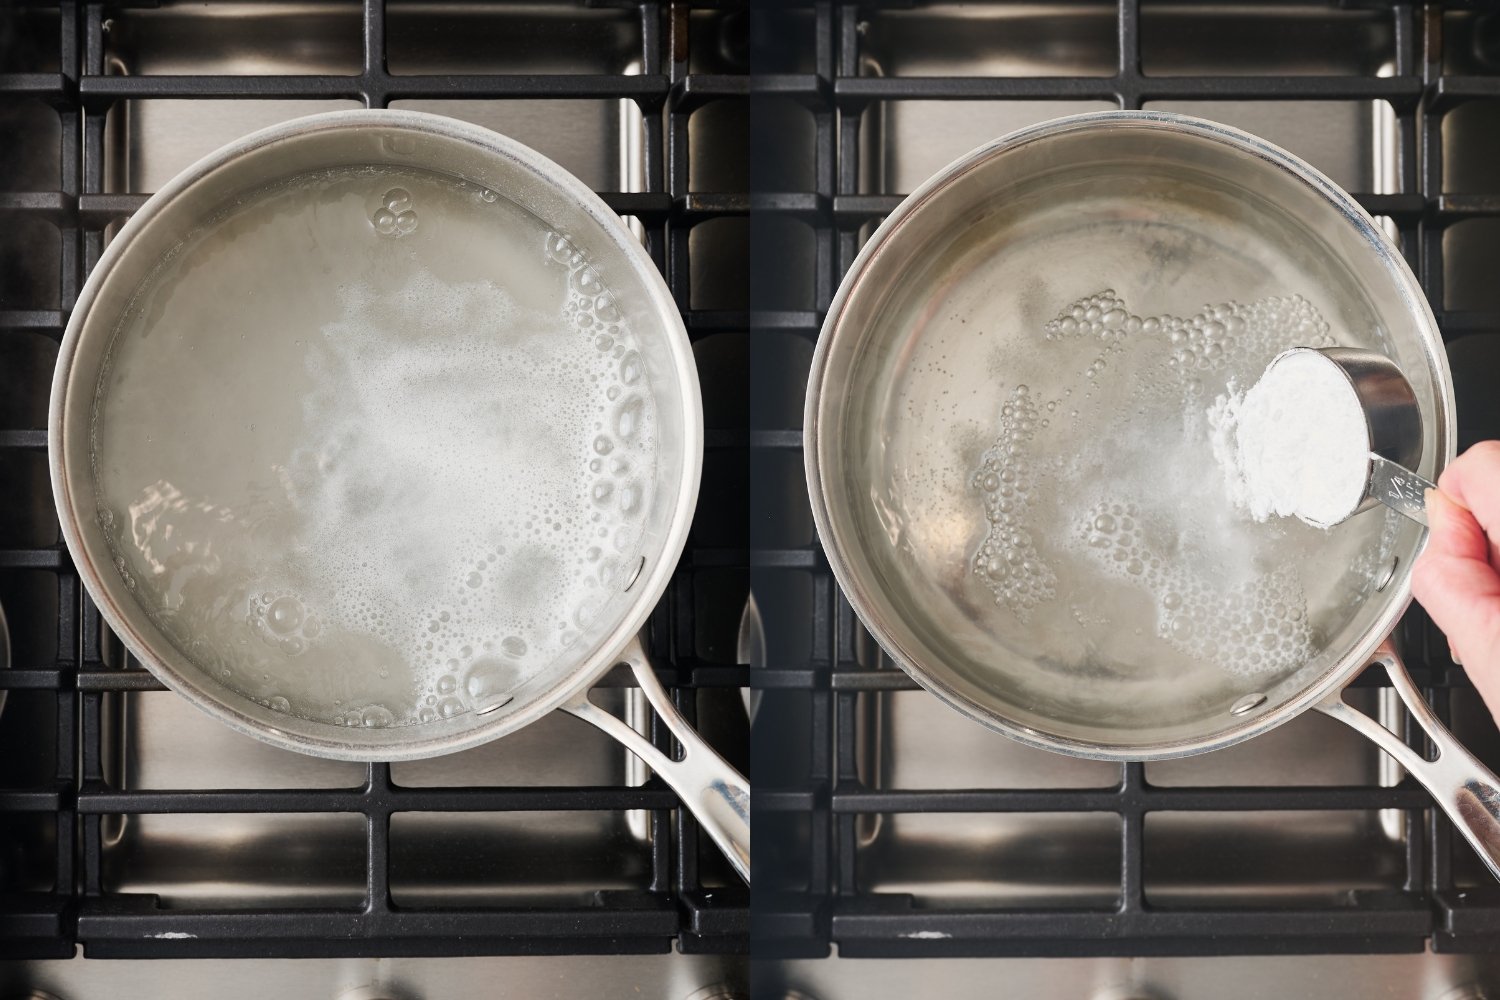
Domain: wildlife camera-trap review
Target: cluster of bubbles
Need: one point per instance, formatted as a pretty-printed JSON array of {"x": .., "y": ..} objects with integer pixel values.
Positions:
[
  {"x": 627, "y": 426},
  {"x": 283, "y": 623},
  {"x": 1113, "y": 531},
  {"x": 370, "y": 717},
  {"x": 1256, "y": 627},
  {"x": 1252, "y": 621},
  {"x": 1230, "y": 334},
  {"x": 1219, "y": 336},
  {"x": 396, "y": 216},
  {"x": 1102, "y": 315},
  {"x": 1007, "y": 559},
  {"x": 1102, "y": 318},
  {"x": 1253, "y": 627}
]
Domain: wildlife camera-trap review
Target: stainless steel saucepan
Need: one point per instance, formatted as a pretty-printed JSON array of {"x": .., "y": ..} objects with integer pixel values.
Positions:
[
  {"x": 1001, "y": 402},
  {"x": 588, "y": 246}
]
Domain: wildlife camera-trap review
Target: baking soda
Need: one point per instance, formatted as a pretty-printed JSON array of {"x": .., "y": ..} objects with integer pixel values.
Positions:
[{"x": 1296, "y": 444}]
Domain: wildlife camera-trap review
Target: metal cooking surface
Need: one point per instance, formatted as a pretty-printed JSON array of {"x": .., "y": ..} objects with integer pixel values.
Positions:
[
  {"x": 672, "y": 977},
  {"x": 238, "y": 860},
  {"x": 135, "y": 825},
  {"x": 886, "y": 824}
]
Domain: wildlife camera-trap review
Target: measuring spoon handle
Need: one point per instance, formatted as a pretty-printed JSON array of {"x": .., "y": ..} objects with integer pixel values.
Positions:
[{"x": 1399, "y": 488}]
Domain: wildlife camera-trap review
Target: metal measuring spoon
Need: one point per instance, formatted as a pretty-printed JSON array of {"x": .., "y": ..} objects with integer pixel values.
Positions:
[{"x": 1394, "y": 422}]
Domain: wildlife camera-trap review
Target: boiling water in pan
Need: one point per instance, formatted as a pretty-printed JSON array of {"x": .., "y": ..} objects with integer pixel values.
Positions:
[
  {"x": 1045, "y": 467},
  {"x": 374, "y": 447}
]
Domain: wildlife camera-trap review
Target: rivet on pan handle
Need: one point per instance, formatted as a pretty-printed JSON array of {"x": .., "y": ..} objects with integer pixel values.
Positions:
[
  {"x": 1465, "y": 789},
  {"x": 715, "y": 792}
]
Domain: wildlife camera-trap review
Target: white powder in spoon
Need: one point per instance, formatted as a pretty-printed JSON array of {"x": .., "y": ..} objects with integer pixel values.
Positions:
[{"x": 1296, "y": 444}]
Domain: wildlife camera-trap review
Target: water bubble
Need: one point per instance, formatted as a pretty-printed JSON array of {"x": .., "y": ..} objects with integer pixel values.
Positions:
[
  {"x": 279, "y": 704},
  {"x": 585, "y": 281},
  {"x": 630, "y": 368},
  {"x": 513, "y": 645},
  {"x": 284, "y": 615},
  {"x": 630, "y": 498},
  {"x": 474, "y": 580},
  {"x": 489, "y": 683},
  {"x": 628, "y": 418},
  {"x": 603, "y": 445},
  {"x": 376, "y": 717}
]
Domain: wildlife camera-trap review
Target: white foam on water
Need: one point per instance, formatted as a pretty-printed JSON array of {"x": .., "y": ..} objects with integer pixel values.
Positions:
[{"x": 384, "y": 504}]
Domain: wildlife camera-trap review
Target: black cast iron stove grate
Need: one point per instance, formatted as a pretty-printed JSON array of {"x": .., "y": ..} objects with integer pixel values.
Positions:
[
  {"x": 808, "y": 806},
  {"x": 677, "y": 907}
]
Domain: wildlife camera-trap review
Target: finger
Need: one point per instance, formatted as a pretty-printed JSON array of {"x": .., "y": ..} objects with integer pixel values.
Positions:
[
  {"x": 1473, "y": 481},
  {"x": 1453, "y": 531},
  {"x": 1455, "y": 582}
]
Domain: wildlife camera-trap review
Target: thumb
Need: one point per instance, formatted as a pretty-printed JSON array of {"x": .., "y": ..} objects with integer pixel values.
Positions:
[
  {"x": 1454, "y": 530},
  {"x": 1454, "y": 581}
]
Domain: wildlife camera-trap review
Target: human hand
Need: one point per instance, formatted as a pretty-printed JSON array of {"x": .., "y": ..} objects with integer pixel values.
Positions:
[{"x": 1456, "y": 576}]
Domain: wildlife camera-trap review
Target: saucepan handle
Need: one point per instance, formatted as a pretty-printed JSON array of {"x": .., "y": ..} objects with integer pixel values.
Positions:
[
  {"x": 1459, "y": 783},
  {"x": 715, "y": 792}
]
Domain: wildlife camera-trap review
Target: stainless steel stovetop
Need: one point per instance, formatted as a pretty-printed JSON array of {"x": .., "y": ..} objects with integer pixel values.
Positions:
[{"x": 867, "y": 150}]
